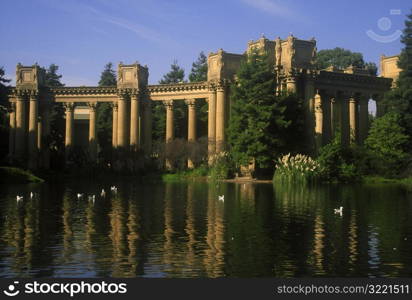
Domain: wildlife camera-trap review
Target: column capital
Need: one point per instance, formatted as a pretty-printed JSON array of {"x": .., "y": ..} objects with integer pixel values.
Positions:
[
  {"x": 92, "y": 105},
  {"x": 33, "y": 96},
  {"x": 69, "y": 106},
  {"x": 190, "y": 102},
  {"x": 114, "y": 105},
  {"x": 212, "y": 86},
  {"x": 135, "y": 94},
  {"x": 168, "y": 104},
  {"x": 221, "y": 85}
]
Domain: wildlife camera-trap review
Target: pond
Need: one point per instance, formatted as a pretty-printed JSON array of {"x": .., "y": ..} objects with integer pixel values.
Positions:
[{"x": 184, "y": 230}]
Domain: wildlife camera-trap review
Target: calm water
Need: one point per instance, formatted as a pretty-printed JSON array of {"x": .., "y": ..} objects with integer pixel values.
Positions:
[{"x": 183, "y": 230}]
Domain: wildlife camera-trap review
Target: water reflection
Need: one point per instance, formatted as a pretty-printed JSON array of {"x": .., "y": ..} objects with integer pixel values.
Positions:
[{"x": 183, "y": 230}]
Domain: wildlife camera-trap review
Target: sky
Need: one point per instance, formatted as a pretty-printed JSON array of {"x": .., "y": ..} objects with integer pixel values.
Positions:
[{"x": 82, "y": 36}]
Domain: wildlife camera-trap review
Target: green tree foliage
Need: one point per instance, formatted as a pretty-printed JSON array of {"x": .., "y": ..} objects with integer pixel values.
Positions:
[
  {"x": 342, "y": 58},
  {"x": 104, "y": 114},
  {"x": 197, "y": 74},
  {"x": 108, "y": 76},
  {"x": 257, "y": 120},
  {"x": 52, "y": 79},
  {"x": 387, "y": 144},
  {"x": 175, "y": 75},
  {"x": 57, "y": 121},
  {"x": 4, "y": 127},
  {"x": 294, "y": 137},
  {"x": 399, "y": 100},
  {"x": 339, "y": 163},
  {"x": 199, "y": 69}
]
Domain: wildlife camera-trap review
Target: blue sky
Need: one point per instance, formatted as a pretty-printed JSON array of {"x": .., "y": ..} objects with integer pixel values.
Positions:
[{"x": 82, "y": 36}]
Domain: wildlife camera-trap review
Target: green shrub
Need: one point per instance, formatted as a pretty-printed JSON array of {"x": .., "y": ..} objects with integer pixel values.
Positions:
[
  {"x": 222, "y": 166},
  {"x": 386, "y": 146},
  {"x": 340, "y": 163}
]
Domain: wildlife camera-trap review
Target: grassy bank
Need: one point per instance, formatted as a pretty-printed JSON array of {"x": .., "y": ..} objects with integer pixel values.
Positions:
[
  {"x": 16, "y": 175},
  {"x": 405, "y": 182},
  {"x": 198, "y": 173}
]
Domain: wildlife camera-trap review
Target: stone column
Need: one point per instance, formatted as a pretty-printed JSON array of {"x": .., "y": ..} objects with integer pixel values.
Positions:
[
  {"x": 334, "y": 116},
  {"x": 191, "y": 128},
  {"x": 291, "y": 85},
  {"x": 45, "y": 137},
  {"x": 318, "y": 121},
  {"x": 327, "y": 117},
  {"x": 33, "y": 118},
  {"x": 169, "y": 130},
  {"x": 220, "y": 118},
  {"x": 134, "y": 122},
  {"x": 380, "y": 111},
  {"x": 309, "y": 90},
  {"x": 211, "y": 125},
  {"x": 147, "y": 127},
  {"x": 352, "y": 119},
  {"x": 39, "y": 133},
  {"x": 114, "y": 124},
  {"x": 344, "y": 125},
  {"x": 363, "y": 118},
  {"x": 68, "y": 142},
  {"x": 169, "y": 121},
  {"x": 122, "y": 122},
  {"x": 21, "y": 127},
  {"x": 12, "y": 130},
  {"x": 92, "y": 131}
]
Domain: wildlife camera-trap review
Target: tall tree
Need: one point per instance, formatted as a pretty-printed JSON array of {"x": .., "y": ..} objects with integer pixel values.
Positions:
[
  {"x": 175, "y": 75},
  {"x": 387, "y": 144},
  {"x": 57, "y": 122},
  {"x": 52, "y": 79},
  {"x": 108, "y": 76},
  {"x": 257, "y": 115},
  {"x": 399, "y": 99},
  {"x": 199, "y": 69},
  {"x": 197, "y": 74},
  {"x": 343, "y": 58},
  {"x": 104, "y": 114},
  {"x": 4, "y": 127}
]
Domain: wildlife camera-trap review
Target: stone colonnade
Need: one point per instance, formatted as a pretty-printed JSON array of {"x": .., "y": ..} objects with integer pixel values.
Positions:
[
  {"x": 344, "y": 112},
  {"x": 131, "y": 124},
  {"x": 218, "y": 108},
  {"x": 29, "y": 128}
]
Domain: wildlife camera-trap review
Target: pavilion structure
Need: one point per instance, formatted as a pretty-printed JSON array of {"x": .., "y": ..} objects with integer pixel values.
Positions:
[{"x": 334, "y": 99}]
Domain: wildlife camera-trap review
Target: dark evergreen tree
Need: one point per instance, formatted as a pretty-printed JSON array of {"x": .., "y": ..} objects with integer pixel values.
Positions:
[
  {"x": 399, "y": 100},
  {"x": 52, "y": 79},
  {"x": 387, "y": 144},
  {"x": 104, "y": 115},
  {"x": 57, "y": 121},
  {"x": 197, "y": 74},
  {"x": 175, "y": 75},
  {"x": 108, "y": 76},
  {"x": 256, "y": 120},
  {"x": 4, "y": 126},
  {"x": 199, "y": 69}
]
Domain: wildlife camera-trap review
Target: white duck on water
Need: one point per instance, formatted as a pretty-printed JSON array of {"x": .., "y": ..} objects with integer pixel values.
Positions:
[{"x": 338, "y": 211}]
